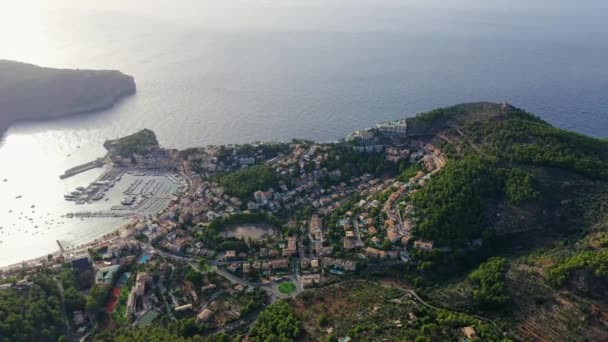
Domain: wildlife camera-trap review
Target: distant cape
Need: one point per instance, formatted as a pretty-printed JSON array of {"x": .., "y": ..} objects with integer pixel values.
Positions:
[{"x": 29, "y": 92}]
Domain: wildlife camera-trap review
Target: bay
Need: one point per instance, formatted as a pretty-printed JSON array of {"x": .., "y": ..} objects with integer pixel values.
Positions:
[{"x": 213, "y": 72}]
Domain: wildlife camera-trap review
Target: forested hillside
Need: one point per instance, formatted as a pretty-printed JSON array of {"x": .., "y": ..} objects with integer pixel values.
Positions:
[{"x": 532, "y": 194}]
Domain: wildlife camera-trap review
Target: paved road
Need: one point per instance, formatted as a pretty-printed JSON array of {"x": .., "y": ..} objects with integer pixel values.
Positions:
[
  {"x": 272, "y": 288},
  {"x": 275, "y": 294}
]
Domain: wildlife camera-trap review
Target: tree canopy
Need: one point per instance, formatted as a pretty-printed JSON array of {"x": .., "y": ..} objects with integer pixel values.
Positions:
[
  {"x": 276, "y": 323},
  {"x": 32, "y": 314}
]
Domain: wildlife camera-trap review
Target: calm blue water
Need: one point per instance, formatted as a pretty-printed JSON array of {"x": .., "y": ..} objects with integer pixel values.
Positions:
[{"x": 239, "y": 71}]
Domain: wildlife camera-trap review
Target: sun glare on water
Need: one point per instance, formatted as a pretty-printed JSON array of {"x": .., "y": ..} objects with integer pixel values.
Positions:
[{"x": 24, "y": 33}]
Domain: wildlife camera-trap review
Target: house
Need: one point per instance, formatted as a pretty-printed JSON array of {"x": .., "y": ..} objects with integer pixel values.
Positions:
[
  {"x": 469, "y": 332},
  {"x": 137, "y": 292},
  {"x": 316, "y": 227},
  {"x": 376, "y": 240},
  {"x": 291, "y": 248},
  {"x": 374, "y": 253},
  {"x": 204, "y": 316},
  {"x": 81, "y": 263},
  {"x": 349, "y": 265},
  {"x": 233, "y": 267},
  {"x": 263, "y": 252},
  {"x": 230, "y": 255},
  {"x": 280, "y": 264},
  {"x": 310, "y": 280},
  {"x": 393, "y": 235},
  {"x": 424, "y": 245},
  {"x": 207, "y": 287},
  {"x": 314, "y": 264},
  {"x": 183, "y": 308},
  {"x": 106, "y": 274},
  {"x": 131, "y": 304},
  {"x": 349, "y": 241},
  {"x": 189, "y": 287},
  {"x": 140, "y": 283},
  {"x": 79, "y": 318}
]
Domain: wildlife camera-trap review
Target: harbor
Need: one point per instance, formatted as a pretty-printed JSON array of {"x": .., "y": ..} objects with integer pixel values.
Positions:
[{"x": 126, "y": 193}]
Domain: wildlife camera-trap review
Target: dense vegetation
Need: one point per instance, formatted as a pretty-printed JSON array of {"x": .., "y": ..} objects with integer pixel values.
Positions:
[
  {"x": 437, "y": 114},
  {"x": 523, "y": 138},
  {"x": 493, "y": 163},
  {"x": 276, "y": 323},
  {"x": 595, "y": 261},
  {"x": 533, "y": 193},
  {"x": 136, "y": 143},
  {"x": 178, "y": 332},
  {"x": 353, "y": 164},
  {"x": 370, "y": 312},
  {"x": 32, "y": 314},
  {"x": 74, "y": 299},
  {"x": 97, "y": 297},
  {"x": 243, "y": 183},
  {"x": 488, "y": 283},
  {"x": 452, "y": 206}
]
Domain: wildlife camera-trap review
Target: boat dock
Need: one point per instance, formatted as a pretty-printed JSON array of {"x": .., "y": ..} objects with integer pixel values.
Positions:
[{"x": 82, "y": 168}]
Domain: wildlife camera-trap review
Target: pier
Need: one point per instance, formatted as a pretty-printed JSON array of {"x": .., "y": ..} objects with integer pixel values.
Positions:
[{"x": 82, "y": 168}]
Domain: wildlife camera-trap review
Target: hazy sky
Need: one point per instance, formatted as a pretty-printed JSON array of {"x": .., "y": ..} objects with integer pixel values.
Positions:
[{"x": 29, "y": 28}]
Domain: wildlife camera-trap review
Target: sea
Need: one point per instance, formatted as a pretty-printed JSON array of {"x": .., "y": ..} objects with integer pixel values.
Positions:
[{"x": 237, "y": 71}]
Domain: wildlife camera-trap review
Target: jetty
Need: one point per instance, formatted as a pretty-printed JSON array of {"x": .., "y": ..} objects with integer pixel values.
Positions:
[{"x": 82, "y": 168}]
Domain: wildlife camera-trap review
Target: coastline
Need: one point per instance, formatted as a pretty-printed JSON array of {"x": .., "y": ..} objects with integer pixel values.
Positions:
[
  {"x": 78, "y": 249},
  {"x": 35, "y": 93},
  {"x": 103, "y": 105}
]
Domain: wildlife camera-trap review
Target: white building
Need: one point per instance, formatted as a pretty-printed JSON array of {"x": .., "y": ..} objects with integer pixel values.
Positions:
[{"x": 398, "y": 127}]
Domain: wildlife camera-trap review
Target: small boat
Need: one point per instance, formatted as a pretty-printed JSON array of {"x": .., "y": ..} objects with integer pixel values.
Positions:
[
  {"x": 18, "y": 197},
  {"x": 5, "y": 180},
  {"x": 33, "y": 206}
]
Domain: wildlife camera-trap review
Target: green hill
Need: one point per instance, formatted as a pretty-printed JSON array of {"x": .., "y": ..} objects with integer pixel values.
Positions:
[
  {"x": 518, "y": 188},
  {"x": 136, "y": 143}
]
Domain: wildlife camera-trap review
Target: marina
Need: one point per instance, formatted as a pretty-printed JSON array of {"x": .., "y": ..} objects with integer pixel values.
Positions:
[
  {"x": 84, "y": 207},
  {"x": 126, "y": 193}
]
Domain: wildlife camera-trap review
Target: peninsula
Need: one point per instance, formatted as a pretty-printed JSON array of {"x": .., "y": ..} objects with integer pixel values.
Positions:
[
  {"x": 29, "y": 92},
  {"x": 478, "y": 222}
]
